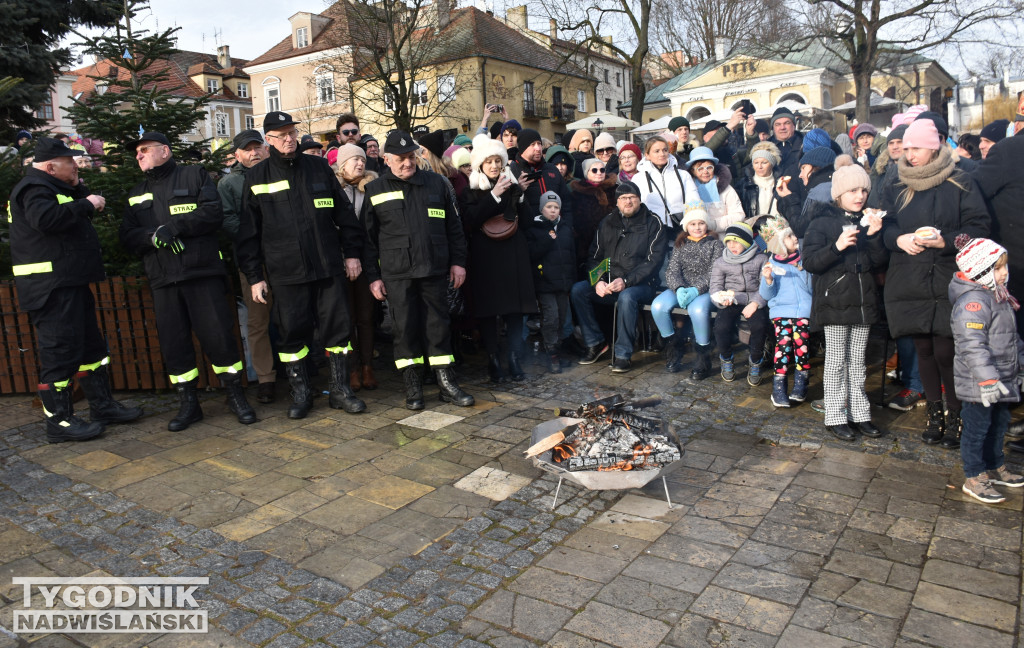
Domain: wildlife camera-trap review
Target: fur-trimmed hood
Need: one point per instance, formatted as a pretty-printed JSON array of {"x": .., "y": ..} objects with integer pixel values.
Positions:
[
  {"x": 600, "y": 191},
  {"x": 368, "y": 177}
]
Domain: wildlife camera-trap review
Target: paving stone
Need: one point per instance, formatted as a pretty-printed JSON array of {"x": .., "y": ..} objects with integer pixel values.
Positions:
[
  {"x": 695, "y": 631},
  {"x": 967, "y": 607},
  {"x": 618, "y": 627},
  {"x": 937, "y": 630},
  {"x": 964, "y": 553},
  {"x": 632, "y": 526},
  {"x": 682, "y": 549},
  {"x": 711, "y": 531},
  {"x": 263, "y": 630},
  {"x": 655, "y": 601},
  {"x": 880, "y": 546},
  {"x": 762, "y": 583},
  {"x": 676, "y": 575},
  {"x": 321, "y": 625},
  {"x": 787, "y": 561},
  {"x": 860, "y": 566},
  {"x": 581, "y": 563},
  {"x": 553, "y": 587},
  {"x": 743, "y": 610},
  {"x": 983, "y": 534},
  {"x": 351, "y": 637},
  {"x": 969, "y": 579},
  {"x": 293, "y": 610},
  {"x": 798, "y": 636},
  {"x": 877, "y": 599},
  {"x": 794, "y": 537}
]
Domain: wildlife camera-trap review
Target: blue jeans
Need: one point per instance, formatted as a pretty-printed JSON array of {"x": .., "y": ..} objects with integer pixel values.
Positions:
[
  {"x": 630, "y": 301},
  {"x": 699, "y": 312},
  {"x": 981, "y": 444},
  {"x": 909, "y": 375}
]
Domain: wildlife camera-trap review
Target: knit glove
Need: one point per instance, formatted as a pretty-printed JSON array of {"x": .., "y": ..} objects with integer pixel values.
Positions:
[
  {"x": 991, "y": 390},
  {"x": 163, "y": 237},
  {"x": 686, "y": 295}
]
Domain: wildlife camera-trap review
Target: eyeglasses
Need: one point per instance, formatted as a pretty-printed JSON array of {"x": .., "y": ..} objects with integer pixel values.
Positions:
[
  {"x": 601, "y": 170},
  {"x": 610, "y": 149},
  {"x": 704, "y": 167},
  {"x": 142, "y": 150},
  {"x": 292, "y": 134},
  {"x": 353, "y": 131}
]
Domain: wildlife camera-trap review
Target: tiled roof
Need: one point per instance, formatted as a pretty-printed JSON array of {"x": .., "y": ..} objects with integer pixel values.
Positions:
[
  {"x": 336, "y": 31},
  {"x": 179, "y": 65}
]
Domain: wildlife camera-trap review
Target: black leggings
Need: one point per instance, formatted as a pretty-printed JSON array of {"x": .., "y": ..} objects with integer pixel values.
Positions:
[
  {"x": 513, "y": 330},
  {"x": 935, "y": 363}
]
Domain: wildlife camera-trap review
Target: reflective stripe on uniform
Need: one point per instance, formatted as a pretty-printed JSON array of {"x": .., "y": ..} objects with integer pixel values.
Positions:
[
  {"x": 94, "y": 365},
  {"x": 185, "y": 377},
  {"x": 183, "y": 209},
  {"x": 273, "y": 187},
  {"x": 384, "y": 197},
  {"x": 294, "y": 357},
  {"x": 435, "y": 213},
  {"x": 441, "y": 361},
  {"x": 408, "y": 362},
  {"x": 62, "y": 199},
  {"x": 32, "y": 268},
  {"x": 323, "y": 202},
  {"x": 61, "y": 384},
  {"x": 235, "y": 368},
  {"x": 338, "y": 349},
  {"x": 135, "y": 200}
]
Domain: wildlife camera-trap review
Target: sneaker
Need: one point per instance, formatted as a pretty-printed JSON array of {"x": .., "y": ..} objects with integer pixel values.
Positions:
[
  {"x": 906, "y": 400},
  {"x": 754, "y": 374},
  {"x": 1004, "y": 477},
  {"x": 621, "y": 365},
  {"x": 981, "y": 489},
  {"x": 593, "y": 353},
  {"x": 728, "y": 370},
  {"x": 818, "y": 405}
]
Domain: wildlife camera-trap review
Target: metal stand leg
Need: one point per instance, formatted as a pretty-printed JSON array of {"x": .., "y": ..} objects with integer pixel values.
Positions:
[
  {"x": 558, "y": 488},
  {"x": 667, "y": 498}
]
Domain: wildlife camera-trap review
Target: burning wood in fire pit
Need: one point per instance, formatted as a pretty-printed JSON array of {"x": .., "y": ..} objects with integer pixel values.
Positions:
[{"x": 610, "y": 436}]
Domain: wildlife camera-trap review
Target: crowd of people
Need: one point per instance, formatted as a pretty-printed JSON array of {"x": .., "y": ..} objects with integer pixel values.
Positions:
[{"x": 797, "y": 237}]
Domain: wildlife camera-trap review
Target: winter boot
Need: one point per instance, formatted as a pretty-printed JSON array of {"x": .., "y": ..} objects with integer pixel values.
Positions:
[
  {"x": 450, "y": 390},
  {"x": 702, "y": 364},
  {"x": 754, "y": 373},
  {"x": 728, "y": 368},
  {"x": 799, "y": 392},
  {"x": 936, "y": 424},
  {"x": 413, "y": 388},
  {"x": 954, "y": 427},
  {"x": 514, "y": 368},
  {"x": 494, "y": 370},
  {"x": 369, "y": 380},
  {"x": 61, "y": 422},
  {"x": 189, "y": 411},
  {"x": 102, "y": 406},
  {"x": 779, "y": 398},
  {"x": 236, "y": 398},
  {"x": 675, "y": 346},
  {"x": 342, "y": 396},
  {"x": 554, "y": 362},
  {"x": 302, "y": 393}
]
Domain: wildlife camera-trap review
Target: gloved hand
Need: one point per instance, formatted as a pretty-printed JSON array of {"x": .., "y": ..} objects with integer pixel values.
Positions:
[
  {"x": 163, "y": 237},
  {"x": 991, "y": 390},
  {"x": 686, "y": 295}
]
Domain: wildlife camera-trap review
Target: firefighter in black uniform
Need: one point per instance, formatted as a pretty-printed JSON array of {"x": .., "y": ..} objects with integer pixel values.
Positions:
[
  {"x": 172, "y": 221},
  {"x": 56, "y": 255},
  {"x": 298, "y": 224},
  {"x": 415, "y": 247}
]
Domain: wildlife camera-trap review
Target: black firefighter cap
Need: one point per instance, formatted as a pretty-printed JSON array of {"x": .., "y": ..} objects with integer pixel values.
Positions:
[
  {"x": 400, "y": 143},
  {"x": 48, "y": 149}
]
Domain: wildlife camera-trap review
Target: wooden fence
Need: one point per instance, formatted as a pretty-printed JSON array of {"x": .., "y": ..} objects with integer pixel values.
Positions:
[{"x": 124, "y": 308}]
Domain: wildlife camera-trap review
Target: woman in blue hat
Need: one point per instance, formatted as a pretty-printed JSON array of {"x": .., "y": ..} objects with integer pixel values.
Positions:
[{"x": 714, "y": 187}]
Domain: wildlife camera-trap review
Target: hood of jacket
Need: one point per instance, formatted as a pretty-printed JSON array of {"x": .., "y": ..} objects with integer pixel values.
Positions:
[
  {"x": 960, "y": 286},
  {"x": 555, "y": 150}
]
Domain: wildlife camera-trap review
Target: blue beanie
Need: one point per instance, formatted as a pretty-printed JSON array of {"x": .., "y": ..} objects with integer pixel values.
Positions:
[
  {"x": 814, "y": 138},
  {"x": 510, "y": 124},
  {"x": 820, "y": 157}
]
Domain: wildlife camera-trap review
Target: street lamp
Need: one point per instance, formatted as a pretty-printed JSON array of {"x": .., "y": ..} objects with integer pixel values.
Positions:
[{"x": 598, "y": 124}]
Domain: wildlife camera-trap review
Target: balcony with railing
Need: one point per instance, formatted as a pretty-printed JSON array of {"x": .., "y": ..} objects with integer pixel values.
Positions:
[
  {"x": 563, "y": 113},
  {"x": 535, "y": 109}
]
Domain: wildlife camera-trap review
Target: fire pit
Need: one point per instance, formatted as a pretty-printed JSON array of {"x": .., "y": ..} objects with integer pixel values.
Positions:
[{"x": 607, "y": 445}]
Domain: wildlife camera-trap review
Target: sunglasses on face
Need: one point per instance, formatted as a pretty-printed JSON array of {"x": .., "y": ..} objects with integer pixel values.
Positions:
[
  {"x": 354, "y": 131},
  {"x": 609, "y": 150},
  {"x": 601, "y": 170}
]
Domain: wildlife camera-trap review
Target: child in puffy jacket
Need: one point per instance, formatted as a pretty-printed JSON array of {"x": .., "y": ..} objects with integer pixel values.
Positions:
[
  {"x": 787, "y": 288},
  {"x": 735, "y": 284},
  {"x": 988, "y": 364},
  {"x": 553, "y": 257}
]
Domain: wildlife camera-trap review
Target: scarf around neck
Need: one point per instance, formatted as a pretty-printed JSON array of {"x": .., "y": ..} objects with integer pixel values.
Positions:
[
  {"x": 930, "y": 175},
  {"x": 708, "y": 192},
  {"x": 742, "y": 257}
]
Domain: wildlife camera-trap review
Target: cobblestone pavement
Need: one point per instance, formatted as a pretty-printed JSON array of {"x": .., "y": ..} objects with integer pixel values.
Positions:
[{"x": 394, "y": 528}]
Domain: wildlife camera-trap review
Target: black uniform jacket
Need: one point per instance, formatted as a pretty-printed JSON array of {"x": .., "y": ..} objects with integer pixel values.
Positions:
[
  {"x": 53, "y": 244},
  {"x": 185, "y": 199},
  {"x": 297, "y": 221},
  {"x": 413, "y": 227}
]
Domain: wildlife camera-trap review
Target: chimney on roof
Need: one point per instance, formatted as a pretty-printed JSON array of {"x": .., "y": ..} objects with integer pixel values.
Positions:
[
  {"x": 444, "y": 13},
  {"x": 553, "y": 27},
  {"x": 723, "y": 46},
  {"x": 224, "y": 56},
  {"x": 516, "y": 17}
]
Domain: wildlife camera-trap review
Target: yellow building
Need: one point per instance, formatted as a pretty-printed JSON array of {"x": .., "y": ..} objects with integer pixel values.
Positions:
[
  {"x": 482, "y": 60},
  {"x": 814, "y": 77}
]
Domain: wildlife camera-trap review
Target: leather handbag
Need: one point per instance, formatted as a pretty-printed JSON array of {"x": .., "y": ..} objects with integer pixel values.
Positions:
[{"x": 498, "y": 228}]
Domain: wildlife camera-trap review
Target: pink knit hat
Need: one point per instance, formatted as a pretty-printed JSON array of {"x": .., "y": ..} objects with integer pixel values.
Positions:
[
  {"x": 922, "y": 134},
  {"x": 908, "y": 117}
]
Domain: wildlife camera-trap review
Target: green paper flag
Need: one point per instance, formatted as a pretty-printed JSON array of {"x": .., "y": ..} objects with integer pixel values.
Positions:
[{"x": 600, "y": 269}]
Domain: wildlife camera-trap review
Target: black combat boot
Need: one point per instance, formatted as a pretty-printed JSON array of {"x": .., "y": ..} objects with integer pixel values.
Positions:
[
  {"x": 342, "y": 396},
  {"x": 936, "y": 424},
  {"x": 302, "y": 393},
  {"x": 189, "y": 411},
  {"x": 61, "y": 422},
  {"x": 413, "y": 388},
  {"x": 450, "y": 390},
  {"x": 237, "y": 402},
  {"x": 102, "y": 406}
]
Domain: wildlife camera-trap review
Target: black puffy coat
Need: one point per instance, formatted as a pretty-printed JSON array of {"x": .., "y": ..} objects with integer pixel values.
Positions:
[
  {"x": 53, "y": 243},
  {"x": 549, "y": 180},
  {"x": 184, "y": 199},
  {"x": 635, "y": 247},
  {"x": 843, "y": 285},
  {"x": 590, "y": 205},
  {"x": 792, "y": 206},
  {"x": 499, "y": 276},
  {"x": 750, "y": 193},
  {"x": 917, "y": 286},
  {"x": 553, "y": 259}
]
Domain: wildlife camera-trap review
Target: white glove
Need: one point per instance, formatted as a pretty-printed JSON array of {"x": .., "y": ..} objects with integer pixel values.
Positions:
[{"x": 990, "y": 393}]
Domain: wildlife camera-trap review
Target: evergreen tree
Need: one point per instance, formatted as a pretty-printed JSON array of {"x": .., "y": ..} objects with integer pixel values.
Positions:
[
  {"x": 30, "y": 32},
  {"x": 135, "y": 96}
]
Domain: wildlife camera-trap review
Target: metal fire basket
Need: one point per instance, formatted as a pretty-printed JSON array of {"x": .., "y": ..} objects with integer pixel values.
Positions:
[{"x": 604, "y": 479}]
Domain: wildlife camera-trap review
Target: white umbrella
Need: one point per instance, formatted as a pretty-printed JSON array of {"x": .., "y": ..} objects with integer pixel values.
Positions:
[
  {"x": 655, "y": 126},
  {"x": 609, "y": 121}
]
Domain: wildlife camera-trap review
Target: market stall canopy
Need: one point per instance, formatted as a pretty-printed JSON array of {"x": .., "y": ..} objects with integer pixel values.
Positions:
[
  {"x": 724, "y": 115},
  {"x": 878, "y": 102},
  {"x": 655, "y": 126},
  {"x": 609, "y": 121}
]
